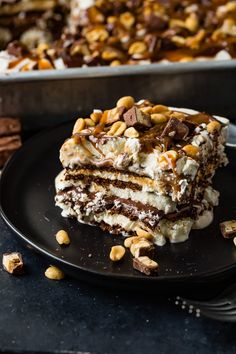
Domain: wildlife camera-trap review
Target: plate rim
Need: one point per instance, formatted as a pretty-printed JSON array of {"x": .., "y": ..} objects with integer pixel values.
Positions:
[{"x": 140, "y": 277}]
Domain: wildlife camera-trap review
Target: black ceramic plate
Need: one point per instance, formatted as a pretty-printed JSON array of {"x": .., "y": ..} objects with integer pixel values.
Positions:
[{"x": 27, "y": 205}]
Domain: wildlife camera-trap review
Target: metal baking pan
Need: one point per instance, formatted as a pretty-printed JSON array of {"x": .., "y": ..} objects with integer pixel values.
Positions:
[{"x": 47, "y": 98}]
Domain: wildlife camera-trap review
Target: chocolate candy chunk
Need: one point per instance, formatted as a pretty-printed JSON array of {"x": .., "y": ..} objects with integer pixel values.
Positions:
[
  {"x": 17, "y": 49},
  {"x": 136, "y": 118},
  {"x": 13, "y": 263},
  {"x": 9, "y": 126},
  {"x": 8, "y": 145},
  {"x": 156, "y": 23},
  {"x": 175, "y": 129},
  {"x": 145, "y": 265},
  {"x": 228, "y": 228}
]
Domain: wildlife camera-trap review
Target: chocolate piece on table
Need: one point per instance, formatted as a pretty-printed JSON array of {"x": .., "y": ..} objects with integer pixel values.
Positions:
[
  {"x": 8, "y": 145},
  {"x": 13, "y": 263},
  {"x": 228, "y": 228},
  {"x": 9, "y": 126},
  {"x": 145, "y": 265},
  {"x": 10, "y": 139},
  {"x": 134, "y": 117},
  {"x": 175, "y": 129}
]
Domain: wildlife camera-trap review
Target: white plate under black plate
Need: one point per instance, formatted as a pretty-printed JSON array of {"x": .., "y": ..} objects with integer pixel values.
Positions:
[{"x": 27, "y": 205}]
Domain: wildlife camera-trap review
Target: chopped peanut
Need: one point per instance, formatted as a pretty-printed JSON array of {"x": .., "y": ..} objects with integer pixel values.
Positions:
[
  {"x": 191, "y": 150},
  {"x": 96, "y": 116},
  {"x": 141, "y": 247},
  {"x": 89, "y": 122},
  {"x": 142, "y": 233},
  {"x": 113, "y": 115},
  {"x": 213, "y": 126},
  {"x": 126, "y": 101},
  {"x": 44, "y": 64},
  {"x": 115, "y": 63},
  {"x": 129, "y": 240},
  {"x": 167, "y": 160},
  {"x": 79, "y": 125},
  {"x": 109, "y": 54},
  {"x": 54, "y": 273},
  {"x": 159, "y": 108},
  {"x": 117, "y": 253},
  {"x": 137, "y": 48},
  {"x": 192, "y": 22},
  {"x": 146, "y": 110},
  {"x": 127, "y": 19},
  {"x": 131, "y": 133},
  {"x": 117, "y": 129},
  {"x": 98, "y": 34},
  {"x": 157, "y": 118},
  {"x": 62, "y": 237}
]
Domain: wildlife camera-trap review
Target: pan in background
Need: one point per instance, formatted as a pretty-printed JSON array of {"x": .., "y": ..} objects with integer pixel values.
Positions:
[{"x": 47, "y": 98}]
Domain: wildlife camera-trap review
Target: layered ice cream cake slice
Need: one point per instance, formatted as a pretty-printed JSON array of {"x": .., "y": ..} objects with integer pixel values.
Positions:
[{"x": 142, "y": 166}]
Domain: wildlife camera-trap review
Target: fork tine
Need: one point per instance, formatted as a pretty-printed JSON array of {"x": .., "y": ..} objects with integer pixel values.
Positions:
[
  {"x": 205, "y": 307},
  {"x": 216, "y": 307},
  {"x": 226, "y": 317},
  {"x": 226, "y": 309},
  {"x": 207, "y": 303}
]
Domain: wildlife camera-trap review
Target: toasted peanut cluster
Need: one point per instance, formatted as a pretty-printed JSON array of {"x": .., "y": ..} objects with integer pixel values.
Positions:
[
  {"x": 140, "y": 32},
  {"x": 154, "y": 126}
]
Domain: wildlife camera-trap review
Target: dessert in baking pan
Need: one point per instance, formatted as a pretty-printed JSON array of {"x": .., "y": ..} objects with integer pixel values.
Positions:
[
  {"x": 142, "y": 166},
  {"x": 107, "y": 32}
]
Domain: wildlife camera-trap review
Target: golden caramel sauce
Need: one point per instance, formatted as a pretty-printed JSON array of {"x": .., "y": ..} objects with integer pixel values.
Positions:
[{"x": 199, "y": 118}]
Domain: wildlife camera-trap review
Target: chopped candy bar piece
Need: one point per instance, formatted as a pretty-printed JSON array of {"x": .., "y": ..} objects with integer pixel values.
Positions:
[
  {"x": 146, "y": 265},
  {"x": 228, "y": 228},
  {"x": 13, "y": 263},
  {"x": 135, "y": 117}
]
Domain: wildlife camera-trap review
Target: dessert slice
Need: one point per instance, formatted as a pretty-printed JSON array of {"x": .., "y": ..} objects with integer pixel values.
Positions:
[{"x": 141, "y": 165}]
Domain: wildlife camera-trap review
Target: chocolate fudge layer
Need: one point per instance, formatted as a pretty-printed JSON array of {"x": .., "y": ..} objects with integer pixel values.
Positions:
[{"x": 142, "y": 165}]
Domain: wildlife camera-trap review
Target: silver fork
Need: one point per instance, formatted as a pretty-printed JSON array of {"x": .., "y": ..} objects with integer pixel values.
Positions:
[{"x": 222, "y": 307}]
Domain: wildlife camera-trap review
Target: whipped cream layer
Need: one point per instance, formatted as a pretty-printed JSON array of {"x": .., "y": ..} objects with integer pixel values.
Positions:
[{"x": 128, "y": 209}]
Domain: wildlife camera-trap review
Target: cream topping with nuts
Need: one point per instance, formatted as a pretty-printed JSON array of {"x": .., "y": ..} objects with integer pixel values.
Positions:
[{"x": 113, "y": 148}]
